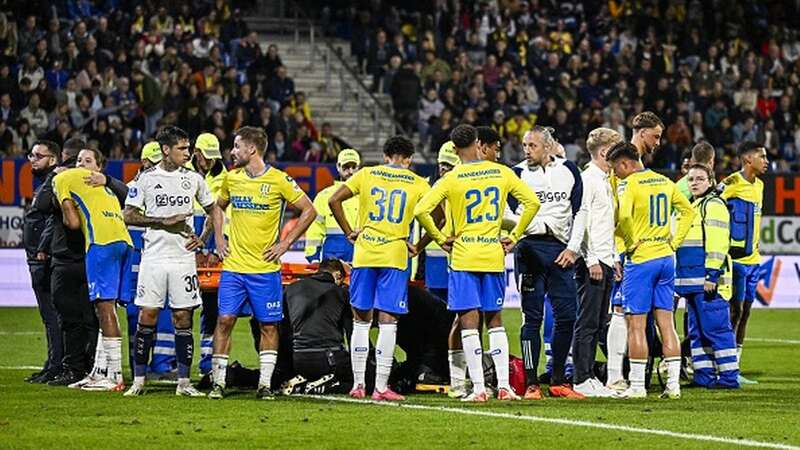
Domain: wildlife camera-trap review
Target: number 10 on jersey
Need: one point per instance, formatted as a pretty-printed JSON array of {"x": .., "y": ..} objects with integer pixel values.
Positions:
[{"x": 659, "y": 212}]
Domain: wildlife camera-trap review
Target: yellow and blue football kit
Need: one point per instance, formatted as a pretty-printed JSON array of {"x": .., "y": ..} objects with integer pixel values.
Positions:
[
  {"x": 477, "y": 193},
  {"x": 257, "y": 205},
  {"x": 387, "y": 195},
  {"x": 646, "y": 202},
  {"x": 324, "y": 238},
  {"x": 108, "y": 243},
  {"x": 745, "y": 200}
]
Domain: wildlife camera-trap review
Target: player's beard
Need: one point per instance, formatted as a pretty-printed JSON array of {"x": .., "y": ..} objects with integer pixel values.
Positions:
[{"x": 238, "y": 162}]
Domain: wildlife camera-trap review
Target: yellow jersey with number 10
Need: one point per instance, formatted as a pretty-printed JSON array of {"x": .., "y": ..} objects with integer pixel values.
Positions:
[
  {"x": 99, "y": 208},
  {"x": 646, "y": 202},
  {"x": 256, "y": 206},
  {"x": 387, "y": 195}
]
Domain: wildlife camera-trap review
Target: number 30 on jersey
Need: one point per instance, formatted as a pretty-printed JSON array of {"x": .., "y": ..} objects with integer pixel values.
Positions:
[{"x": 390, "y": 207}]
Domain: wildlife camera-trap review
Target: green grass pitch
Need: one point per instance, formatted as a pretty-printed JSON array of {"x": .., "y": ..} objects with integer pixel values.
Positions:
[{"x": 768, "y": 414}]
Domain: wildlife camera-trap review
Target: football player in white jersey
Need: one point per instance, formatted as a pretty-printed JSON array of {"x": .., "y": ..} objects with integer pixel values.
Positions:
[{"x": 161, "y": 199}]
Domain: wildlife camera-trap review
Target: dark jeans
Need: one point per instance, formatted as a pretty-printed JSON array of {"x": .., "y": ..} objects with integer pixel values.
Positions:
[
  {"x": 78, "y": 321},
  {"x": 539, "y": 275},
  {"x": 40, "y": 281},
  {"x": 593, "y": 298}
]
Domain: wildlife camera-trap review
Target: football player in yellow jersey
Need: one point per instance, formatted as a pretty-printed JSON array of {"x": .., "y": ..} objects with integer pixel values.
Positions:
[
  {"x": 257, "y": 195},
  {"x": 645, "y": 206},
  {"x": 324, "y": 238},
  {"x": 477, "y": 191},
  {"x": 96, "y": 211},
  {"x": 744, "y": 192},
  {"x": 647, "y": 131},
  {"x": 488, "y": 150},
  {"x": 387, "y": 195}
]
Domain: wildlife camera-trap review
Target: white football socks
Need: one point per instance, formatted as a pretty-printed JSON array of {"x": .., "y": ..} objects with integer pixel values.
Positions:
[
  {"x": 498, "y": 348},
  {"x": 458, "y": 367},
  {"x": 637, "y": 373},
  {"x": 384, "y": 354},
  {"x": 673, "y": 372},
  {"x": 617, "y": 342},
  {"x": 100, "y": 367},
  {"x": 359, "y": 350},
  {"x": 219, "y": 369},
  {"x": 112, "y": 346},
  {"x": 267, "y": 359},
  {"x": 474, "y": 356}
]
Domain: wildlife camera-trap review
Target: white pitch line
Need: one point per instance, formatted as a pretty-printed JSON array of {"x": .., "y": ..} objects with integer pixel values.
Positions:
[
  {"x": 21, "y": 333},
  {"x": 20, "y": 367},
  {"x": 775, "y": 341},
  {"x": 568, "y": 422}
]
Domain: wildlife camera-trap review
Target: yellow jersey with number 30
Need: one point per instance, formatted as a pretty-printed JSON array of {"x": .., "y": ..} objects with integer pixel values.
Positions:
[
  {"x": 99, "y": 208},
  {"x": 387, "y": 196},
  {"x": 646, "y": 202},
  {"x": 256, "y": 207}
]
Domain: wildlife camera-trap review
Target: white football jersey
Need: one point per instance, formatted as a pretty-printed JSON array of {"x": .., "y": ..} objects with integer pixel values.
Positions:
[{"x": 163, "y": 194}]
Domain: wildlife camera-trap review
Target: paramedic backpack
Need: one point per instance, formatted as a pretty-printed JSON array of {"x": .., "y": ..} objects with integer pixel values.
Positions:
[{"x": 742, "y": 226}]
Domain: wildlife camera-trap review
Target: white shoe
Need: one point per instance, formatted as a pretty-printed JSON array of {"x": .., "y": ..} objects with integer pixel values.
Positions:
[
  {"x": 474, "y": 397},
  {"x": 104, "y": 384},
  {"x": 618, "y": 386},
  {"x": 457, "y": 391},
  {"x": 593, "y": 388},
  {"x": 633, "y": 392},
  {"x": 671, "y": 393},
  {"x": 91, "y": 378},
  {"x": 135, "y": 390},
  {"x": 188, "y": 391},
  {"x": 601, "y": 389}
]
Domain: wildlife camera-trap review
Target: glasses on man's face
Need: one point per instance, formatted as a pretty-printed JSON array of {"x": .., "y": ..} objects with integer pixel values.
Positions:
[{"x": 33, "y": 156}]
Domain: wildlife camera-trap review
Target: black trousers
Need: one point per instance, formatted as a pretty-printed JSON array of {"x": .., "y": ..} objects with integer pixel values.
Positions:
[
  {"x": 593, "y": 298},
  {"x": 313, "y": 365},
  {"x": 40, "y": 281},
  {"x": 79, "y": 323}
]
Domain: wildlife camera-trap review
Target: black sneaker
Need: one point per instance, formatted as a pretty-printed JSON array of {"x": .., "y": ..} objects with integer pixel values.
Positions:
[
  {"x": 35, "y": 375},
  {"x": 265, "y": 393},
  {"x": 46, "y": 377},
  {"x": 66, "y": 378}
]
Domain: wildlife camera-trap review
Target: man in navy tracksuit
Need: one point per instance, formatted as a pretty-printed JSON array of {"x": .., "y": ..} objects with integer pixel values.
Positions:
[{"x": 545, "y": 257}]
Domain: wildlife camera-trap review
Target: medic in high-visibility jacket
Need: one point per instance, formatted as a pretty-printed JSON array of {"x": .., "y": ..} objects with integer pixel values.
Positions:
[
  {"x": 324, "y": 238},
  {"x": 703, "y": 275}
]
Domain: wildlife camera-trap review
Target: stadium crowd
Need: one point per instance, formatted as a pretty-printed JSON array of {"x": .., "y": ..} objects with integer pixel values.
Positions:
[
  {"x": 721, "y": 73},
  {"x": 112, "y": 72},
  {"x": 594, "y": 250}
]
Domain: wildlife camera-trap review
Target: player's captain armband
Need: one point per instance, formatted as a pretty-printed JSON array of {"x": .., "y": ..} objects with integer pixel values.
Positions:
[{"x": 742, "y": 223}]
